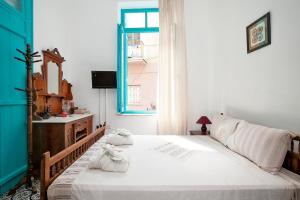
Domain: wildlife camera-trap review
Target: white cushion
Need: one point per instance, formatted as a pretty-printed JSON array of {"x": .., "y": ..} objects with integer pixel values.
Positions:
[
  {"x": 222, "y": 127},
  {"x": 264, "y": 146}
]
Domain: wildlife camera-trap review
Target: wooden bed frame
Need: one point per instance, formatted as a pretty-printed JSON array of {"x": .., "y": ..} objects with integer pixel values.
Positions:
[
  {"x": 52, "y": 167},
  {"x": 292, "y": 158}
]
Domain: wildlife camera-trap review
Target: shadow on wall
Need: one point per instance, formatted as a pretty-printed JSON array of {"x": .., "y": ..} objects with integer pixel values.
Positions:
[{"x": 273, "y": 120}]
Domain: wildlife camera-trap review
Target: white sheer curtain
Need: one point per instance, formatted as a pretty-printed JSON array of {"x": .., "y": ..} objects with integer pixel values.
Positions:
[{"x": 172, "y": 118}]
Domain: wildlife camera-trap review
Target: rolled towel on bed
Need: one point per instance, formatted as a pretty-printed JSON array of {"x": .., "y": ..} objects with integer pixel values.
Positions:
[
  {"x": 120, "y": 131},
  {"x": 119, "y": 137},
  {"x": 110, "y": 159}
]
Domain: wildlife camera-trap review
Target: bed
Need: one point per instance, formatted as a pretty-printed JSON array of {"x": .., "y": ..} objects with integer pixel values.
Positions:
[{"x": 166, "y": 168}]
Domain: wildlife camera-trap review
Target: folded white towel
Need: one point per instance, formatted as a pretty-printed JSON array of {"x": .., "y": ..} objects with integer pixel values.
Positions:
[
  {"x": 118, "y": 140},
  {"x": 119, "y": 137},
  {"x": 110, "y": 159},
  {"x": 119, "y": 131}
]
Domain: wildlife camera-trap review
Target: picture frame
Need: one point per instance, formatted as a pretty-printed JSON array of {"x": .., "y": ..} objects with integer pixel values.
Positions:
[{"x": 259, "y": 33}]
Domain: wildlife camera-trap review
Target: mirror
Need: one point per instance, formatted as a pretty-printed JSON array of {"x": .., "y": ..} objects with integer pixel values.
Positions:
[
  {"x": 52, "y": 72},
  {"x": 53, "y": 75}
]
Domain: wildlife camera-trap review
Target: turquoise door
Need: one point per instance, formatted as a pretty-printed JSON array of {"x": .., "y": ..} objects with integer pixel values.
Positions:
[{"x": 15, "y": 32}]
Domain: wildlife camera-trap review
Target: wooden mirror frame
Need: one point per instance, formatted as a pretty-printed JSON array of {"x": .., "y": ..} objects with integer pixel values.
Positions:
[
  {"x": 40, "y": 83},
  {"x": 55, "y": 57}
]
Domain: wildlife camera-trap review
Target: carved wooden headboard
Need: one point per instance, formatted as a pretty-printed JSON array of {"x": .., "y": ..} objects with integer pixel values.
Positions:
[{"x": 292, "y": 158}]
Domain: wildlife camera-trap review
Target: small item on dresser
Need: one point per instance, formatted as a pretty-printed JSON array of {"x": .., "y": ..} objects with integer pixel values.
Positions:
[
  {"x": 46, "y": 114},
  {"x": 110, "y": 159},
  {"x": 118, "y": 137},
  {"x": 72, "y": 107},
  {"x": 81, "y": 111},
  {"x": 64, "y": 114},
  {"x": 66, "y": 106}
]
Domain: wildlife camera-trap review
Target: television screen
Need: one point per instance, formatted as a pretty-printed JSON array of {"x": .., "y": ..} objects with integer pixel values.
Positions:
[{"x": 104, "y": 79}]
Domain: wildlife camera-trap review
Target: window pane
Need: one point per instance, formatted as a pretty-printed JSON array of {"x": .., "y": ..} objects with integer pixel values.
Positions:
[
  {"x": 134, "y": 94},
  {"x": 153, "y": 19},
  {"x": 17, "y": 4},
  {"x": 135, "y": 20},
  {"x": 142, "y": 71}
]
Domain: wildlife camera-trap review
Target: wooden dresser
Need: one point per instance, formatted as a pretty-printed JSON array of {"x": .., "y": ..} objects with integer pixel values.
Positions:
[{"x": 57, "y": 133}]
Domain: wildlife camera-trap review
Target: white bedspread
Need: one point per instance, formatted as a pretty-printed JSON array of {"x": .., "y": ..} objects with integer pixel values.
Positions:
[{"x": 176, "y": 168}]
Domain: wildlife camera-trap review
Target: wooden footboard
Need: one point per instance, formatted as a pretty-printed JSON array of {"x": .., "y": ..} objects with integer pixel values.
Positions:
[
  {"x": 292, "y": 159},
  {"x": 52, "y": 167}
]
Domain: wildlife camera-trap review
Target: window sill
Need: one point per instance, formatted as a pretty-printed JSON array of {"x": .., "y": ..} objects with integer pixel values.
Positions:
[{"x": 137, "y": 113}]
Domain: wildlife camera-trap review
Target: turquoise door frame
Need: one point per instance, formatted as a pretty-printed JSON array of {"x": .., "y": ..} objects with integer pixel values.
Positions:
[{"x": 16, "y": 29}]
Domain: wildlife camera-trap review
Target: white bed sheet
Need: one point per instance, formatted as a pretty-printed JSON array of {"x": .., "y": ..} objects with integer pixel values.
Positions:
[{"x": 201, "y": 169}]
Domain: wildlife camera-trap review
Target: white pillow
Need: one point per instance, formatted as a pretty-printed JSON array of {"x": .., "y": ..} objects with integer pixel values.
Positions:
[
  {"x": 222, "y": 127},
  {"x": 264, "y": 146}
]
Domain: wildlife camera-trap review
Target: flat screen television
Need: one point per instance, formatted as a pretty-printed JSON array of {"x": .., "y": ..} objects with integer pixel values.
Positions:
[{"x": 104, "y": 79}]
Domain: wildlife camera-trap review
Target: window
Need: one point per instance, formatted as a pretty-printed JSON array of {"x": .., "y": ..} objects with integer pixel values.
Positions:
[
  {"x": 135, "y": 20},
  {"x": 138, "y": 41},
  {"x": 134, "y": 95},
  {"x": 153, "y": 19}
]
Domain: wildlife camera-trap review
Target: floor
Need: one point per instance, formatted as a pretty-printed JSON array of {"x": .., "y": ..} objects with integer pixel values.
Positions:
[{"x": 23, "y": 193}]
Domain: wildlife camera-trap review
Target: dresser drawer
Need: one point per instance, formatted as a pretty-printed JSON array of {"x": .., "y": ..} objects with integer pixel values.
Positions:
[
  {"x": 80, "y": 125},
  {"x": 69, "y": 135}
]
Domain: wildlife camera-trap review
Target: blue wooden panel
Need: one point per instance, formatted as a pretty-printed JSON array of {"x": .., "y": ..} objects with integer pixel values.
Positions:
[
  {"x": 8, "y": 78},
  {"x": 4, "y": 63},
  {"x": 13, "y": 142},
  {"x": 15, "y": 32},
  {"x": 17, "y": 79},
  {"x": 12, "y": 20},
  {"x": 17, "y": 4}
]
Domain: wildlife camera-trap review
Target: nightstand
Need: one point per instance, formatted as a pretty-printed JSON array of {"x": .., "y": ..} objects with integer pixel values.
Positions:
[{"x": 198, "y": 132}]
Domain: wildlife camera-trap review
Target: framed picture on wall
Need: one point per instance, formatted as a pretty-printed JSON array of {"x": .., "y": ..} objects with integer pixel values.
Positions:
[{"x": 259, "y": 33}]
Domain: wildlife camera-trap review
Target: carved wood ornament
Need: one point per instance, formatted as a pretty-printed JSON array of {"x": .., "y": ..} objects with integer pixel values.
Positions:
[{"x": 40, "y": 83}]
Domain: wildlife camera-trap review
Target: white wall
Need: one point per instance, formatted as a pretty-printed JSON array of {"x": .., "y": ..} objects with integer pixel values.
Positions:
[
  {"x": 222, "y": 77},
  {"x": 85, "y": 33},
  {"x": 50, "y": 31},
  {"x": 197, "y": 14},
  {"x": 261, "y": 86}
]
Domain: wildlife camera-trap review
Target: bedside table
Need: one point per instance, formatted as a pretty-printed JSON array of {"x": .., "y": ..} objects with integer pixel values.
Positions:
[{"x": 198, "y": 132}]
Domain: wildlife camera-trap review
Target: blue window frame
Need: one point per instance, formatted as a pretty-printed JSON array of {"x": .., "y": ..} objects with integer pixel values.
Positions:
[{"x": 125, "y": 28}]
